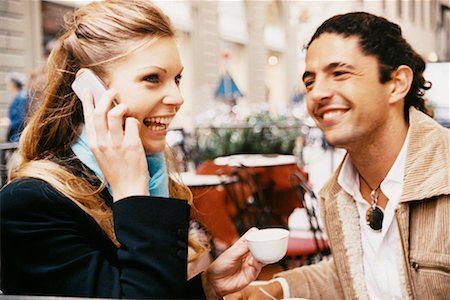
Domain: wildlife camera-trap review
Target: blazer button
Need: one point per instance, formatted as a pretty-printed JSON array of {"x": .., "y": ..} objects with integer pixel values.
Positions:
[
  {"x": 181, "y": 244},
  {"x": 181, "y": 232},
  {"x": 181, "y": 254}
]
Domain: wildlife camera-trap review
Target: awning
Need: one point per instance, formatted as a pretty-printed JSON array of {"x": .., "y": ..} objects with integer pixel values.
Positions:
[{"x": 227, "y": 88}]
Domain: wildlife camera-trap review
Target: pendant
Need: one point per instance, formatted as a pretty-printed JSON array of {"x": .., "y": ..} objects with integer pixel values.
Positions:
[{"x": 374, "y": 218}]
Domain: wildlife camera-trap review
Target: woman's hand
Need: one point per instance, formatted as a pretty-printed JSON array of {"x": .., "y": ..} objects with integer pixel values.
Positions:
[
  {"x": 115, "y": 142},
  {"x": 231, "y": 271}
]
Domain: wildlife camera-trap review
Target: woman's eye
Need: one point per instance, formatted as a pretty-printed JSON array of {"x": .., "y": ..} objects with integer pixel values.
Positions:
[
  {"x": 154, "y": 78},
  {"x": 178, "y": 79}
]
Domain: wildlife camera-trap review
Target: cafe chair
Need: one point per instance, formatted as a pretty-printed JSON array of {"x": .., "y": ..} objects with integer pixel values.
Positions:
[
  {"x": 310, "y": 248},
  {"x": 250, "y": 207},
  {"x": 181, "y": 145}
]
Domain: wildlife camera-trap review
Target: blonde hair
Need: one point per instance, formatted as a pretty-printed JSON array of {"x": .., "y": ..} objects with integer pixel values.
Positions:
[{"x": 96, "y": 36}]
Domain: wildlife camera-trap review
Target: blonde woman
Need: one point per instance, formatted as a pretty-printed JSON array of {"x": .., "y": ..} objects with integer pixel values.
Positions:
[{"x": 91, "y": 211}]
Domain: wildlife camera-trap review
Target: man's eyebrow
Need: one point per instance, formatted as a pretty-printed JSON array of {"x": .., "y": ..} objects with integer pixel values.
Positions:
[
  {"x": 328, "y": 68},
  {"x": 335, "y": 65}
]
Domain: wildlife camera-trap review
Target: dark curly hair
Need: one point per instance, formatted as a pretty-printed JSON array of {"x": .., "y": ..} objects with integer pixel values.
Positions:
[{"x": 383, "y": 39}]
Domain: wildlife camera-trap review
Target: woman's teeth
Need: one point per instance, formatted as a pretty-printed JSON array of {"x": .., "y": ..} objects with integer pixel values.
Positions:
[
  {"x": 157, "y": 123},
  {"x": 163, "y": 120}
]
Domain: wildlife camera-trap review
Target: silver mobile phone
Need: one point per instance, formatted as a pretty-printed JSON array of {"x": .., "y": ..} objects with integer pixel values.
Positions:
[{"x": 88, "y": 80}]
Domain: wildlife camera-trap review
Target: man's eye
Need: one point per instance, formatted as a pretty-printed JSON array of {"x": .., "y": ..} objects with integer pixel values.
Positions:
[
  {"x": 308, "y": 83},
  {"x": 339, "y": 73},
  {"x": 154, "y": 78}
]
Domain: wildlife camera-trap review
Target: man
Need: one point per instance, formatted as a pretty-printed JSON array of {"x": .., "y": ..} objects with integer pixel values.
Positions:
[{"x": 386, "y": 209}]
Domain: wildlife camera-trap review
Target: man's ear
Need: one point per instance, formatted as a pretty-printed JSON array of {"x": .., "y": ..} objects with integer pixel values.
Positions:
[{"x": 401, "y": 81}]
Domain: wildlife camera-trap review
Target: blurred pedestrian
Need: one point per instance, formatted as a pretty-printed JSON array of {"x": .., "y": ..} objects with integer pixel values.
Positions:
[{"x": 18, "y": 108}]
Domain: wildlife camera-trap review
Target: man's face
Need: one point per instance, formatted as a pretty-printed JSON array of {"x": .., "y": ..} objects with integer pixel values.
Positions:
[{"x": 344, "y": 95}]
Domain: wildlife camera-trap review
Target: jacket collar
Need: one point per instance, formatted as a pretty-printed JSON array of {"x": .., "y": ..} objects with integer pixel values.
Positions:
[{"x": 428, "y": 159}]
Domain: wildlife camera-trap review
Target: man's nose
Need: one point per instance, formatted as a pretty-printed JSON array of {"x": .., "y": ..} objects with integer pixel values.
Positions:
[{"x": 321, "y": 90}]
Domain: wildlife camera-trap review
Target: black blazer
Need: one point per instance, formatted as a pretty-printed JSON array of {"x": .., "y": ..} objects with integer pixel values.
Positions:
[{"x": 50, "y": 246}]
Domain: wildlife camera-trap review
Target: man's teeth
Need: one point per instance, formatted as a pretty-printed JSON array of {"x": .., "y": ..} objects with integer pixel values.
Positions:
[{"x": 332, "y": 114}]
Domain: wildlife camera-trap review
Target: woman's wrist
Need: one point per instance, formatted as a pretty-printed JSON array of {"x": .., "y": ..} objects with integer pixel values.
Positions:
[
  {"x": 129, "y": 191},
  {"x": 208, "y": 288}
]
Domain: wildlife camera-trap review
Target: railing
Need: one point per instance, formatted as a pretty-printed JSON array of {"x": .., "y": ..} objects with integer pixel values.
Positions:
[
  {"x": 212, "y": 142},
  {"x": 6, "y": 149}
]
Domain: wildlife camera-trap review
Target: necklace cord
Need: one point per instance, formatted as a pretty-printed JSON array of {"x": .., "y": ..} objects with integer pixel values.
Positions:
[
  {"x": 373, "y": 192},
  {"x": 374, "y": 214}
]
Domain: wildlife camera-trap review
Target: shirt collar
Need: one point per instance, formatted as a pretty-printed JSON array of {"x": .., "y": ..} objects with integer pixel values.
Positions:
[
  {"x": 348, "y": 178},
  {"x": 397, "y": 171}
]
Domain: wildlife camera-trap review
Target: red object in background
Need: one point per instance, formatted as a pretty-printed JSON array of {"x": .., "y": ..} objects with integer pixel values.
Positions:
[
  {"x": 215, "y": 210},
  {"x": 210, "y": 209}
]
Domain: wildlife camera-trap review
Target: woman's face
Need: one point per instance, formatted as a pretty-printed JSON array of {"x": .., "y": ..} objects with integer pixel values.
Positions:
[{"x": 147, "y": 80}]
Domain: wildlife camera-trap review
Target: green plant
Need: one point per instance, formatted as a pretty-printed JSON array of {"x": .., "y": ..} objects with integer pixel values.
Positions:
[{"x": 259, "y": 134}]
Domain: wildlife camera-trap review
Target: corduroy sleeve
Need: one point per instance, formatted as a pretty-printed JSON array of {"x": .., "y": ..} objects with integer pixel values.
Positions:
[{"x": 318, "y": 281}]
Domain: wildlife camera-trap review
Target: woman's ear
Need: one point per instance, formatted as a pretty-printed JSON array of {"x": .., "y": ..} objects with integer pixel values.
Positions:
[{"x": 401, "y": 83}]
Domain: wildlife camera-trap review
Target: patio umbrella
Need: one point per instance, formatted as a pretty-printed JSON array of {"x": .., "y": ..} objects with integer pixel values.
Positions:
[{"x": 227, "y": 89}]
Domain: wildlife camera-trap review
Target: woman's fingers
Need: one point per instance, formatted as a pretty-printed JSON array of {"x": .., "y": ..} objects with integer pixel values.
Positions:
[
  {"x": 116, "y": 123},
  {"x": 242, "y": 242},
  {"x": 106, "y": 123},
  {"x": 114, "y": 140},
  {"x": 100, "y": 120},
  {"x": 132, "y": 128}
]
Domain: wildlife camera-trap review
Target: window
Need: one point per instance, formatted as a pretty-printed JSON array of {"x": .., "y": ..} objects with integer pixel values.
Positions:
[
  {"x": 433, "y": 14},
  {"x": 422, "y": 12},
  {"x": 399, "y": 8},
  {"x": 412, "y": 10}
]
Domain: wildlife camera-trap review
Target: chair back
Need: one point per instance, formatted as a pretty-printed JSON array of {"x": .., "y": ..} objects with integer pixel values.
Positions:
[
  {"x": 302, "y": 187},
  {"x": 248, "y": 200}
]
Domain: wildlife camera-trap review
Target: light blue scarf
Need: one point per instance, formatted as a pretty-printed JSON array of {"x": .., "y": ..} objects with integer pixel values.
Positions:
[{"x": 158, "y": 184}]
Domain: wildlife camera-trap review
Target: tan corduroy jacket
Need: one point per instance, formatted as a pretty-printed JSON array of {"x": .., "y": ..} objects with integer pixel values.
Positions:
[{"x": 423, "y": 217}]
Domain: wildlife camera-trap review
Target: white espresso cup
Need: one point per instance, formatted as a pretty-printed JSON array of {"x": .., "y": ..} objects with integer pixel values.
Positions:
[{"x": 268, "y": 245}]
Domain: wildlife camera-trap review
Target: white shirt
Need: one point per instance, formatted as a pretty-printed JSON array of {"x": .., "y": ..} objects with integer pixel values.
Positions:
[{"x": 381, "y": 250}]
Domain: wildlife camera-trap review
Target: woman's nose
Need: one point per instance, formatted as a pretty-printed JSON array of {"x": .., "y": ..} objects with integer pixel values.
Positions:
[{"x": 173, "y": 96}]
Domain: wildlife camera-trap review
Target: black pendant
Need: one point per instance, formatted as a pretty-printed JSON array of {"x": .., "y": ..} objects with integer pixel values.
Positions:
[{"x": 374, "y": 218}]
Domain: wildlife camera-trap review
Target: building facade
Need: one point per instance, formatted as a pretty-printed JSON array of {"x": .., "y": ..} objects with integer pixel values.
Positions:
[{"x": 264, "y": 41}]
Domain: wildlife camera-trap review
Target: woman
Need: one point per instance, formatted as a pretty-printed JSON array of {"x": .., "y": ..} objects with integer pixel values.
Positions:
[{"x": 63, "y": 232}]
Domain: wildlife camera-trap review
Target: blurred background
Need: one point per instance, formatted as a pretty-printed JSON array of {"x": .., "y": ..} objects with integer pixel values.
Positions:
[{"x": 242, "y": 60}]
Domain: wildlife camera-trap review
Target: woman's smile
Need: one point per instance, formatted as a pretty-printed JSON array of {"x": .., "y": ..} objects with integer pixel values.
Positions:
[{"x": 157, "y": 123}]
